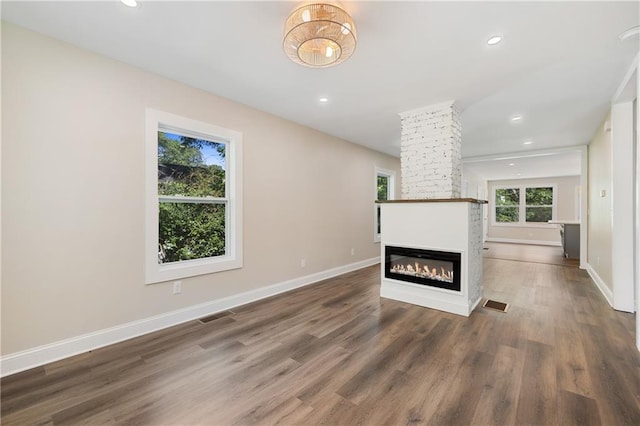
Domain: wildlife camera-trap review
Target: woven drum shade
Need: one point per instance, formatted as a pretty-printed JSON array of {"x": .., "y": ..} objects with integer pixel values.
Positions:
[{"x": 319, "y": 35}]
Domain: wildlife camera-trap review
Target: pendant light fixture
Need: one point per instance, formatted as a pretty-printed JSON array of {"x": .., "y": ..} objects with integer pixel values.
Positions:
[{"x": 319, "y": 35}]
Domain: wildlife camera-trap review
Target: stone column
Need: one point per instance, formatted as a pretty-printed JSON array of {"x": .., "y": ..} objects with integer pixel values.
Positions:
[{"x": 430, "y": 152}]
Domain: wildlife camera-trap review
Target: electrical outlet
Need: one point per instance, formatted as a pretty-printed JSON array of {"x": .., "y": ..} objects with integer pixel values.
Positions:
[
  {"x": 353, "y": 252},
  {"x": 303, "y": 263},
  {"x": 177, "y": 287}
]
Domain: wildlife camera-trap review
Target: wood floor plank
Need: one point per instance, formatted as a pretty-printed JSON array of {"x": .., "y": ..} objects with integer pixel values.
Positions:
[
  {"x": 577, "y": 409},
  {"x": 571, "y": 363},
  {"x": 336, "y": 353},
  {"x": 459, "y": 403},
  {"x": 375, "y": 371},
  {"x": 293, "y": 382},
  {"x": 331, "y": 412},
  {"x": 499, "y": 399},
  {"x": 541, "y": 326},
  {"x": 538, "y": 404},
  {"x": 611, "y": 379}
]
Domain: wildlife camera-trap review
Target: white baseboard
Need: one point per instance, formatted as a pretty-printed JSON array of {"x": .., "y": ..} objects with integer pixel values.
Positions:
[
  {"x": 30, "y": 358},
  {"x": 516, "y": 241},
  {"x": 606, "y": 291}
]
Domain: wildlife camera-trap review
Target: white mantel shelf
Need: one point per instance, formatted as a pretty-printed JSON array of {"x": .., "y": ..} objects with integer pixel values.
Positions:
[{"x": 435, "y": 200}]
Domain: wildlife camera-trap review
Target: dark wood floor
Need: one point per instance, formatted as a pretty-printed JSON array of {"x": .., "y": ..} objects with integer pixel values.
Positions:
[{"x": 335, "y": 353}]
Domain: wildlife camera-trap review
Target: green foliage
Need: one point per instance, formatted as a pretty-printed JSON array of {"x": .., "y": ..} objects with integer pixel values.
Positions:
[
  {"x": 507, "y": 205},
  {"x": 383, "y": 187},
  {"x": 507, "y": 214},
  {"x": 507, "y": 197},
  {"x": 205, "y": 181},
  {"x": 539, "y": 196},
  {"x": 538, "y": 205},
  {"x": 383, "y": 194},
  {"x": 177, "y": 151},
  {"x": 542, "y": 197},
  {"x": 539, "y": 214},
  {"x": 190, "y": 230}
]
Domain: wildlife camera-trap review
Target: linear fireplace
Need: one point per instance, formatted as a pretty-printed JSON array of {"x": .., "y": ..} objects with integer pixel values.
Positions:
[{"x": 433, "y": 268}]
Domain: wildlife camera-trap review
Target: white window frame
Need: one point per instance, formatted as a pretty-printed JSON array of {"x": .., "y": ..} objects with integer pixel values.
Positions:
[
  {"x": 232, "y": 259},
  {"x": 522, "y": 207},
  {"x": 391, "y": 175}
]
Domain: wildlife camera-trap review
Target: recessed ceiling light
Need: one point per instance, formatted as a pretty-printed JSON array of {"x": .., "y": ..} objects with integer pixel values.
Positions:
[
  {"x": 130, "y": 3},
  {"x": 512, "y": 164},
  {"x": 527, "y": 142},
  {"x": 323, "y": 99},
  {"x": 516, "y": 118},
  {"x": 494, "y": 40},
  {"x": 518, "y": 174}
]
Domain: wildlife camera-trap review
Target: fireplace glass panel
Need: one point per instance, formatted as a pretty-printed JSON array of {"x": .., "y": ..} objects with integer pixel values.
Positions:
[{"x": 426, "y": 267}]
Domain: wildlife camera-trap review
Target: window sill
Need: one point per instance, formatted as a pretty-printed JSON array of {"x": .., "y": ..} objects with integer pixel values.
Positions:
[
  {"x": 191, "y": 268},
  {"x": 541, "y": 225}
]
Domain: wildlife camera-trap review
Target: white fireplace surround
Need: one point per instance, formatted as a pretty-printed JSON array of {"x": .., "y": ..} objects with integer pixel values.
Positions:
[
  {"x": 453, "y": 225},
  {"x": 430, "y": 216}
]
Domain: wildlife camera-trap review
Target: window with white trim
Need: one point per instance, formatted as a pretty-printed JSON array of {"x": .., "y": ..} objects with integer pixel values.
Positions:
[
  {"x": 193, "y": 204},
  {"x": 524, "y": 205},
  {"x": 385, "y": 184}
]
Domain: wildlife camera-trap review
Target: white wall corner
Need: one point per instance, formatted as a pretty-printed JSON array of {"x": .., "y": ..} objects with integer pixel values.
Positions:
[
  {"x": 584, "y": 206},
  {"x": 622, "y": 217},
  {"x": 606, "y": 291},
  {"x": 637, "y": 261}
]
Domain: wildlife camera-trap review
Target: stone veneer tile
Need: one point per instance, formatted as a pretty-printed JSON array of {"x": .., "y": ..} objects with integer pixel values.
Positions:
[{"x": 430, "y": 152}]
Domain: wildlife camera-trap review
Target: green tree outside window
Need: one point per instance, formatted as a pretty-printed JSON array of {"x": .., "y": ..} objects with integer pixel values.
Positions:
[
  {"x": 508, "y": 205},
  {"x": 192, "y": 169}
]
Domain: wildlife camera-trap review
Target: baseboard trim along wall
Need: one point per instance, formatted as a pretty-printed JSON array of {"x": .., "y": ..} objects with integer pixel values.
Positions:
[
  {"x": 515, "y": 241},
  {"x": 30, "y": 358},
  {"x": 606, "y": 291}
]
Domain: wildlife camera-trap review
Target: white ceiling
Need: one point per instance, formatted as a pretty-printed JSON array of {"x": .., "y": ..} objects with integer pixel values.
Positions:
[
  {"x": 558, "y": 65},
  {"x": 528, "y": 165}
]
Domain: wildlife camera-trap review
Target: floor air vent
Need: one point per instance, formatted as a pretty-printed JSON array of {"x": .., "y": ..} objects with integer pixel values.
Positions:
[{"x": 498, "y": 306}]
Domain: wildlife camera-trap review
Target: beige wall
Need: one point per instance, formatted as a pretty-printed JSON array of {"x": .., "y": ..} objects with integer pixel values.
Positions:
[
  {"x": 599, "y": 230},
  {"x": 565, "y": 201},
  {"x": 73, "y": 193}
]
